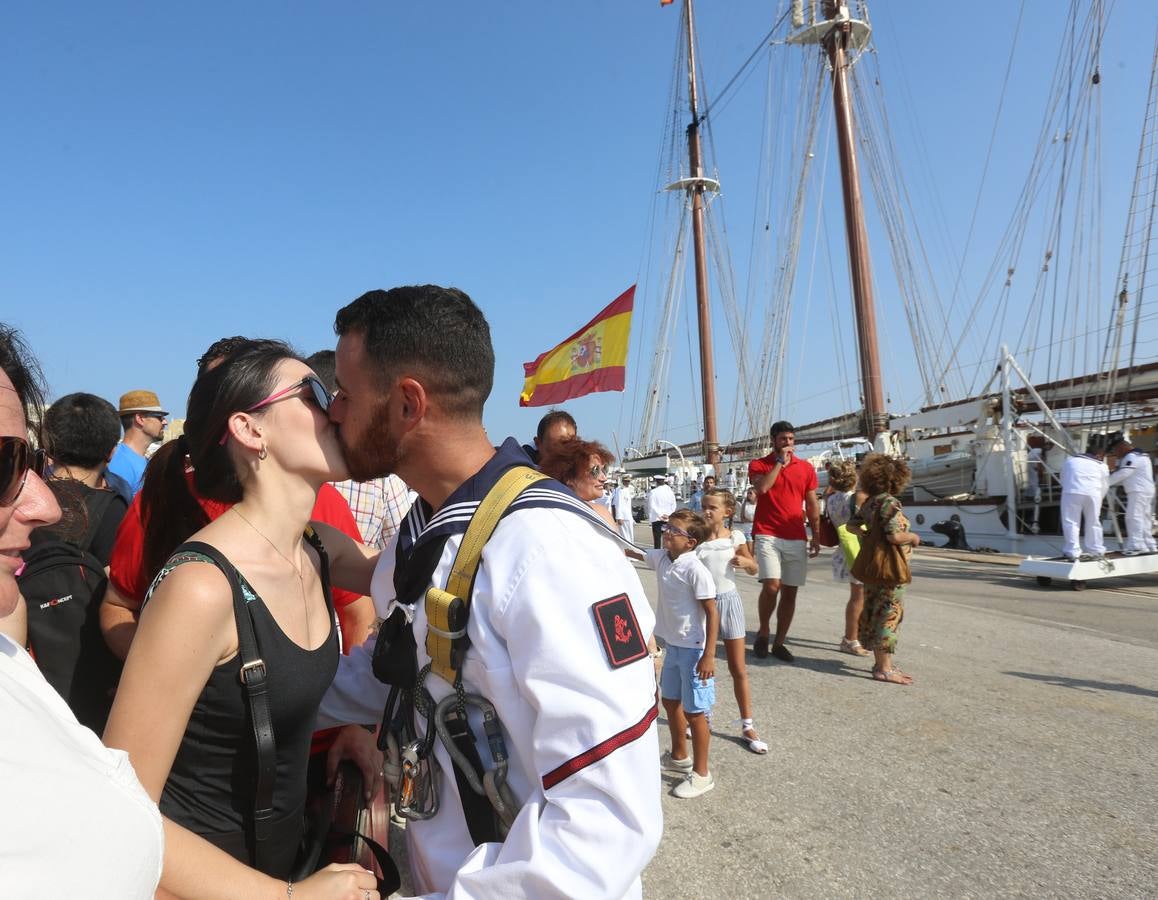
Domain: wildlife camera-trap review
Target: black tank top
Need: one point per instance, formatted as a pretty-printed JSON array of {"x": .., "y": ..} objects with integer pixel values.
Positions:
[{"x": 210, "y": 789}]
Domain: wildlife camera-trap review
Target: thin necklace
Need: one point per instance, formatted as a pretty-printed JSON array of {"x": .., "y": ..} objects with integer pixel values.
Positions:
[{"x": 297, "y": 571}]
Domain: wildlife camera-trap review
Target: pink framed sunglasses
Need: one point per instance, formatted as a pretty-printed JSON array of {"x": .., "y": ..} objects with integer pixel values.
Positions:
[{"x": 318, "y": 394}]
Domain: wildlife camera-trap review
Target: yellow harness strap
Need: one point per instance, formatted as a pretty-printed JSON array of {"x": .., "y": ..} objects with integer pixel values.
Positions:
[{"x": 447, "y": 610}]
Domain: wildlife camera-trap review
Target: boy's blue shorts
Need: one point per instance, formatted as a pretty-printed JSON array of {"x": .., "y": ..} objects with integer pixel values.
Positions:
[{"x": 678, "y": 680}]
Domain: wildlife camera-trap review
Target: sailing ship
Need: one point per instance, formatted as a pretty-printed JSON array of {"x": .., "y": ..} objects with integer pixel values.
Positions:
[{"x": 972, "y": 458}]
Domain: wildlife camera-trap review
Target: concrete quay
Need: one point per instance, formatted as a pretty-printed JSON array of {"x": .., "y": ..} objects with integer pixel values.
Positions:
[{"x": 1022, "y": 763}]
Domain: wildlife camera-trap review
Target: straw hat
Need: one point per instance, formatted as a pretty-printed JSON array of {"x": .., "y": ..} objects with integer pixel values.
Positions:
[{"x": 141, "y": 402}]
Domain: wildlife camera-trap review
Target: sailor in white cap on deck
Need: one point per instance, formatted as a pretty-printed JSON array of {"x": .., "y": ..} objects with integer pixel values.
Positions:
[
  {"x": 1084, "y": 482},
  {"x": 1135, "y": 474}
]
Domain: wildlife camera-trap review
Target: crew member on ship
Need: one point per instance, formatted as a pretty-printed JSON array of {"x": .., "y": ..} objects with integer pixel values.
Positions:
[{"x": 1135, "y": 474}]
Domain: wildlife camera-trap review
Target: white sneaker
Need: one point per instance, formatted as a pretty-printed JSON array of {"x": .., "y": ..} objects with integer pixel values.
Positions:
[
  {"x": 676, "y": 765},
  {"x": 694, "y": 785}
]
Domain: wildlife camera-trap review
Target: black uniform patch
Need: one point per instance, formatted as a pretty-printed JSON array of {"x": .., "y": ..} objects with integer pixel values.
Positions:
[{"x": 619, "y": 631}]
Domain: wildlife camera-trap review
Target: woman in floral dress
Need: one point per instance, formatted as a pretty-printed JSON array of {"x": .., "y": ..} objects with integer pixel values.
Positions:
[{"x": 882, "y": 478}]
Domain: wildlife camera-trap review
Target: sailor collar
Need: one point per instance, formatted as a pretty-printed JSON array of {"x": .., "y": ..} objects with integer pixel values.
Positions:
[{"x": 424, "y": 524}]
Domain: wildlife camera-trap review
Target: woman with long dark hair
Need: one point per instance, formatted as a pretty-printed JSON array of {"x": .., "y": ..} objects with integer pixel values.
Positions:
[{"x": 258, "y": 437}]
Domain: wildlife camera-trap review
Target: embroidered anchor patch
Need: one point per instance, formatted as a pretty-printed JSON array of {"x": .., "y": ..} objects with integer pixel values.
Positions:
[{"x": 618, "y": 631}]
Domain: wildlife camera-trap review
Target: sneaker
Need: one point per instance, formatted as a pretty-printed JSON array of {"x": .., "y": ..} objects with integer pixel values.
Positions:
[
  {"x": 693, "y": 786},
  {"x": 676, "y": 765},
  {"x": 783, "y": 654},
  {"x": 760, "y": 646}
]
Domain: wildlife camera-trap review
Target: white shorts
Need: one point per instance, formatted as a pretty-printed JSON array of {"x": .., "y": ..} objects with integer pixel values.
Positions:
[{"x": 781, "y": 560}]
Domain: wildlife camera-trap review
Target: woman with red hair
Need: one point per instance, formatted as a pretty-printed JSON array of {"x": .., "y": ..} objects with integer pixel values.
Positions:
[{"x": 582, "y": 466}]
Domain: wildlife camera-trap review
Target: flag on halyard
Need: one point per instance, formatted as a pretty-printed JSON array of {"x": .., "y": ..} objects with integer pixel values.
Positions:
[
  {"x": 664, "y": 2},
  {"x": 593, "y": 359}
]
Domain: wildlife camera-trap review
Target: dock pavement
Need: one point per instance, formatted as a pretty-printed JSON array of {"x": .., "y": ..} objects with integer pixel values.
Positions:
[{"x": 1023, "y": 762}]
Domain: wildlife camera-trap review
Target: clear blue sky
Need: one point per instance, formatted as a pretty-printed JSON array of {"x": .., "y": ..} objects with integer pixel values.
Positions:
[{"x": 172, "y": 174}]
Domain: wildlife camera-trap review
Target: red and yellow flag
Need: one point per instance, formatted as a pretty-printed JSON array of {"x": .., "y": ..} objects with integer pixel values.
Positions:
[{"x": 593, "y": 359}]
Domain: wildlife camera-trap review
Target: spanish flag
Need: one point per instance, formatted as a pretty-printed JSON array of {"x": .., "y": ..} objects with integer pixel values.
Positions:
[{"x": 593, "y": 359}]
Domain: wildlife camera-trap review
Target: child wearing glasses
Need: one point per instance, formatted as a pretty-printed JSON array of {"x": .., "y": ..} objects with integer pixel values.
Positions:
[{"x": 687, "y": 620}]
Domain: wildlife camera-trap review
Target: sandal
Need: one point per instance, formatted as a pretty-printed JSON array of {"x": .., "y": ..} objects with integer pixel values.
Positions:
[
  {"x": 755, "y": 745},
  {"x": 852, "y": 647},
  {"x": 892, "y": 676}
]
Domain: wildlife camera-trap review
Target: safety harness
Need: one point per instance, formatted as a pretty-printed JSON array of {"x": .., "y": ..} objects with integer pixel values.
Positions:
[{"x": 488, "y": 805}]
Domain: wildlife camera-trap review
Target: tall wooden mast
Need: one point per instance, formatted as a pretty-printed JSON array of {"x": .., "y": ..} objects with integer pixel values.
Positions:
[
  {"x": 695, "y": 186},
  {"x": 876, "y": 417},
  {"x": 840, "y": 34}
]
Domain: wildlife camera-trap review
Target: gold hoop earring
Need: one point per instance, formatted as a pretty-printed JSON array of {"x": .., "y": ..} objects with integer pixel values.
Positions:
[{"x": 262, "y": 453}]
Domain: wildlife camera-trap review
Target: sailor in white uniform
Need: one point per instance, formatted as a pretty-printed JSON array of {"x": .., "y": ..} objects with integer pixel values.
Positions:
[
  {"x": 1084, "y": 482},
  {"x": 558, "y": 623},
  {"x": 661, "y": 503},
  {"x": 621, "y": 508},
  {"x": 1135, "y": 474}
]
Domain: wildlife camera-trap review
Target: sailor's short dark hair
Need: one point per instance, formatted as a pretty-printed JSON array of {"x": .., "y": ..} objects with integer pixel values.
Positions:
[
  {"x": 436, "y": 333},
  {"x": 782, "y": 427}
]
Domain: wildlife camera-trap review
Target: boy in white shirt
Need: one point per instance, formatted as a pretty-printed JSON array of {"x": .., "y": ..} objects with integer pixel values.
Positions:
[{"x": 687, "y": 620}]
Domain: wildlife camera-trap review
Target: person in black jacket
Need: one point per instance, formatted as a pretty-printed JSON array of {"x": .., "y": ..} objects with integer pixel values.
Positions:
[{"x": 80, "y": 432}]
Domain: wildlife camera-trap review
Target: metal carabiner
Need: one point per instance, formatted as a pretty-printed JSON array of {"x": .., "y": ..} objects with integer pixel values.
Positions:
[
  {"x": 502, "y": 799},
  {"x": 492, "y": 727},
  {"x": 417, "y": 791}
]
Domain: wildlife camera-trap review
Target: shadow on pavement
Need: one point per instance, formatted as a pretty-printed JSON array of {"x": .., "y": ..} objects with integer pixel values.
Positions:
[
  {"x": 1086, "y": 684},
  {"x": 835, "y": 666}
]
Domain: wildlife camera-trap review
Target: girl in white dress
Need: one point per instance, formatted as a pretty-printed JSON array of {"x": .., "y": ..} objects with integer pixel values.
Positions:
[{"x": 725, "y": 551}]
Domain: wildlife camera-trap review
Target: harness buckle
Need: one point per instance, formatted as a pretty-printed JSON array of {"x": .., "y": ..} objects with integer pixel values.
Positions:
[{"x": 249, "y": 667}]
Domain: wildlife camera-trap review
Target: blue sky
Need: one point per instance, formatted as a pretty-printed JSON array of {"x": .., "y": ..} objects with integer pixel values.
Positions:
[{"x": 172, "y": 174}]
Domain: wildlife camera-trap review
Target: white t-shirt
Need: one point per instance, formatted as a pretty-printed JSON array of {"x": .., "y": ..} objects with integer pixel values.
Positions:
[
  {"x": 621, "y": 504},
  {"x": 683, "y": 584},
  {"x": 1085, "y": 475},
  {"x": 76, "y": 821},
  {"x": 1134, "y": 473},
  {"x": 716, "y": 554},
  {"x": 661, "y": 503}
]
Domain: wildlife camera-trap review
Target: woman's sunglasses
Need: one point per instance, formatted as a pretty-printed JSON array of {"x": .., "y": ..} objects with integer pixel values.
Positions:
[
  {"x": 17, "y": 459},
  {"x": 596, "y": 471},
  {"x": 318, "y": 391},
  {"x": 318, "y": 394}
]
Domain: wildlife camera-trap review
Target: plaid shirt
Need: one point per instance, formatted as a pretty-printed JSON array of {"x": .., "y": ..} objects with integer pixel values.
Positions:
[{"x": 379, "y": 506}]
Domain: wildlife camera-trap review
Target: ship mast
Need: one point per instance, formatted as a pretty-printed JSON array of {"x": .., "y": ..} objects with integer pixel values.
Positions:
[
  {"x": 840, "y": 34},
  {"x": 695, "y": 185}
]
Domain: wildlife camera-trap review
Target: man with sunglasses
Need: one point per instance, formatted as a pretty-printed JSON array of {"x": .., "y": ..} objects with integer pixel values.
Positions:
[{"x": 143, "y": 419}]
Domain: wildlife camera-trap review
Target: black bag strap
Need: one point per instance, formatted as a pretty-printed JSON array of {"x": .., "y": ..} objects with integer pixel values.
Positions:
[
  {"x": 48, "y": 554},
  {"x": 96, "y": 513},
  {"x": 254, "y": 676}
]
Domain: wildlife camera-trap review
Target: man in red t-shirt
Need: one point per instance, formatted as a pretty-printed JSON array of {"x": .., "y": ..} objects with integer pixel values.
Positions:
[{"x": 785, "y": 490}]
